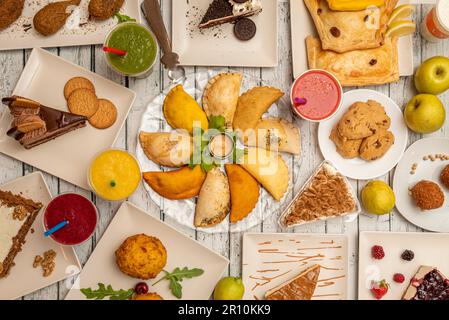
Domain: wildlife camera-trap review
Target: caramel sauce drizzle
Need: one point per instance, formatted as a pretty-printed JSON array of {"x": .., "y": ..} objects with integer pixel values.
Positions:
[
  {"x": 267, "y": 270},
  {"x": 266, "y": 280},
  {"x": 326, "y": 284},
  {"x": 333, "y": 278},
  {"x": 326, "y": 295},
  {"x": 264, "y": 243},
  {"x": 327, "y": 242}
]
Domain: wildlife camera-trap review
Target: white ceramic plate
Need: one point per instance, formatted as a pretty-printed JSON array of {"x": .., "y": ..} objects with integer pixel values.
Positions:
[
  {"x": 218, "y": 46},
  {"x": 272, "y": 259},
  {"x": 358, "y": 168},
  {"x": 68, "y": 156},
  {"x": 430, "y": 249},
  {"x": 303, "y": 26},
  {"x": 181, "y": 252},
  {"x": 432, "y": 220},
  {"x": 23, "y": 278},
  {"x": 72, "y": 34}
]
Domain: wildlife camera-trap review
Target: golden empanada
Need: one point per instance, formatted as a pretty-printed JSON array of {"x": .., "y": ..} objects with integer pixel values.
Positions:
[
  {"x": 342, "y": 31},
  {"x": 358, "y": 67},
  {"x": 221, "y": 95}
]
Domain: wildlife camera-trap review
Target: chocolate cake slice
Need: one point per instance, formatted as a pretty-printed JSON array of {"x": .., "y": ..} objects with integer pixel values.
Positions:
[
  {"x": 34, "y": 124},
  {"x": 427, "y": 284},
  {"x": 225, "y": 11},
  {"x": 17, "y": 215}
]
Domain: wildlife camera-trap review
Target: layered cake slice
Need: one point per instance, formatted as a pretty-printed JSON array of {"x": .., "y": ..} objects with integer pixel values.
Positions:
[
  {"x": 301, "y": 287},
  {"x": 17, "y": 215},
  {"x": 225, "y": 11},
  {"x": 34, "y": 124},
  {"x": 427, "y": 284}
]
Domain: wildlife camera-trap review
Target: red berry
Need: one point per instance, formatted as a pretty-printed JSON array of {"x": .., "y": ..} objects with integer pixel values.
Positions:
[
  {"x": 141, "y": 288},
  {"x": 377, "y": 252},
  {"x": 398, "y": 277},
  {"x": 379, "y": 289}
]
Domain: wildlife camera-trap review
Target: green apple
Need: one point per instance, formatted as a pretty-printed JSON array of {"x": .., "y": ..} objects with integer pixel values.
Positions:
[
  {"x": 425, "y": 113},
  {"x": 229, "y": 288},
  {"x": 433, "y": 76}
]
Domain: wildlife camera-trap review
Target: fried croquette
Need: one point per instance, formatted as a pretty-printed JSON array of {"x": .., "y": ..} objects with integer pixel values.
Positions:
[
  {"x": 148, "y": 296},
  {"x": 427, "y": 195},
  {"x": 444, "y": 176},
  {"x": 141, "y": 256},
  {"x": 10, "y": 11},
  {"x": 51, "y": 18},
  {"x": 104, "y": 9}
]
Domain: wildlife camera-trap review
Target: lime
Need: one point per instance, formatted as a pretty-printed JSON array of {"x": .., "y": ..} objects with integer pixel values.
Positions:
[
  {"x": 378, "y": 197},
  {"x": 229, "y": 288}
]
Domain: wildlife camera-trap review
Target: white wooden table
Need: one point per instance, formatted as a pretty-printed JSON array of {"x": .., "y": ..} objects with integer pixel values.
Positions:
[{"x": 229, "y": 245}]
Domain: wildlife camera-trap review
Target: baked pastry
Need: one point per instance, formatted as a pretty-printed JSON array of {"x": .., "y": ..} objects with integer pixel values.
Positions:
[
  {"x": 179, "y": 184},
  {"x": 377, "y": 145},
  {"x": 51, "y": 18},
  {"x": 427, "y": 195},
  {"x": 244, "y": 192},
  {"x": 141, "y": 256},
  {"x": 170, "y": 149},
  {"x": 427, "y": 284},
  {"x": 252, "y": 105},
  {"x": 269, "y": 169},
  {"x": 214, "y": 200},
  {"x": 274, "y": 134},
  {"x": 358, "y": 67},
  {"x": 10, "y": 11},
  {"x": 221, "y": 95},
  {"x": 342, "y": 31},
  {"x": 182, "y": 111},
  {"x": 225, "y": 11},
  {"x": 104, "y": 9},
  {"x": 17, "y": 215},
  {"x": 347, "y": 148},
  {"x": 327, "y": 195},
  {"x": 34, "y": 124},
  {"x": 301, "y": 287}
]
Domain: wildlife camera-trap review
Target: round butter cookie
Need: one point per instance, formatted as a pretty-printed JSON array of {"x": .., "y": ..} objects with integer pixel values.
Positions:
[{"x": 105, "y": 116}]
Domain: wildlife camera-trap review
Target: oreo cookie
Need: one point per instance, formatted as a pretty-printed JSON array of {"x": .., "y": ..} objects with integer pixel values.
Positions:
[
  {"x": 245, "y": 29},
  {"x": 240, "y": 1}
]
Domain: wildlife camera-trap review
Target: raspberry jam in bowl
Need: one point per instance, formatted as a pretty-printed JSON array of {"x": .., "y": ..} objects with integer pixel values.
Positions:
[
  {"x": 81, "y": 214},
  {"x": 316, "y": 95}
]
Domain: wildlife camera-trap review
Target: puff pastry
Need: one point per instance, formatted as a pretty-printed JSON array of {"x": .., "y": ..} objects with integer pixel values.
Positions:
[
  {"x": 359, "y": 67},
  {"x": 343, "y": 31}
]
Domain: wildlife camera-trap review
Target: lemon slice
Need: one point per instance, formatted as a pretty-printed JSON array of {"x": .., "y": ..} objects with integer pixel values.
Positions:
[
  {"x": 401, "y": 28},
  {"x": 401, "y": 12}
]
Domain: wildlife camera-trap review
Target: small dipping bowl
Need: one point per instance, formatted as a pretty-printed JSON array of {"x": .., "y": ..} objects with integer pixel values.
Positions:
[
  {"x": 316, "y": 95},
  {"x": 81, "y": 214},
  {"x": 221, "y": 146},
  {"x": 141, "y": 47},
  {"x": 114, "y": 175}
]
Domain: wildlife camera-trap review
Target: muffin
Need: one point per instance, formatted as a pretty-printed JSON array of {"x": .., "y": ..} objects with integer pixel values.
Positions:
[
  {"x": 141, "y": 256},
  {"x": 427, "y": 195}
]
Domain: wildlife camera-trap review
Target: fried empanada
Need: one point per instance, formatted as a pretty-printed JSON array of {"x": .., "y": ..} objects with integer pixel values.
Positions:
[
  {"x": 214, "y": 200},
  {"x": 179, "y": 184},
  {"x": 343, "y": 31},
  {"x": 269, "y": 169},
  {"x": 170, "y": 149},
  {"x": 221, "y": 95},
  {"x": 358, "y": 67},
  {"x": 252, "y": 105},
  {"x": 244, "y": 192}
]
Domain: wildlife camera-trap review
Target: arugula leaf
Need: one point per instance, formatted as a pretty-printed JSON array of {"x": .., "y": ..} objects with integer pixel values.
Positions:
[
  {"x": 177, "y": 276},
  {"x": 104, "y": 291},
  {"x": 123, "y": 18},
  {"x": 218, "y": 123}
]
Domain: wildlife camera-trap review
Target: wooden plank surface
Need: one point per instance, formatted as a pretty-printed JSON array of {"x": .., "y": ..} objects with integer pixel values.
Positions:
[{"x": 229, "y": 245}]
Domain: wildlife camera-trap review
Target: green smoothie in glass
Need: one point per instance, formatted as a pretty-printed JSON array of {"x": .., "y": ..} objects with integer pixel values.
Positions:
[{"x": 140, "y": 46}]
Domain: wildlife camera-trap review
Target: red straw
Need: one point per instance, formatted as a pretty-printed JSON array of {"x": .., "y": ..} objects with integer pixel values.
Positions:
[{"x": 115, "y": 51}]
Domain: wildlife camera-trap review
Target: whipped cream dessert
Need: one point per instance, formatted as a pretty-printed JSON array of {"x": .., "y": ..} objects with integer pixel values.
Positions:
[
  {"x": 225, "y": 11},
  {"x": 248, "y": 6}
]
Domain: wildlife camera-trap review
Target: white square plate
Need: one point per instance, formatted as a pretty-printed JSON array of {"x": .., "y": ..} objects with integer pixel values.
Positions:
[
  {"x": 272, "y": 259},
  {"x": 91, "y": 32},
  {"x": 430, "y": 249},
  {"x": 68, "y": 156},
  {"x": 218, "y": 46},
  {"x": 303, "y": 26},
  {"x": 181, "y": 252},
  {"x": 23, "y": 278}
]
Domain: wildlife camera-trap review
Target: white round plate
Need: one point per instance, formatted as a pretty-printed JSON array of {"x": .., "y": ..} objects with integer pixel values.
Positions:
[
  {"x": 357, "y": 168},
  {"x": 433, "y": 220}
]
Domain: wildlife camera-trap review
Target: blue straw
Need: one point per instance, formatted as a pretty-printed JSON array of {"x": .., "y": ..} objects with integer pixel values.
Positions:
[{"x": 60, "y": 225}]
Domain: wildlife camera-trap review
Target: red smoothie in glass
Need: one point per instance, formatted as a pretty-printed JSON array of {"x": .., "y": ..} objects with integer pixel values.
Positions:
[
  {"x": 316, "y": 95},
  {"x": 78, "y": 211}
]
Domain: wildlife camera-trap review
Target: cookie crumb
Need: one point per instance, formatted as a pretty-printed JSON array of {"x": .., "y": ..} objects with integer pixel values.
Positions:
[{"x": 47, "y": 262}]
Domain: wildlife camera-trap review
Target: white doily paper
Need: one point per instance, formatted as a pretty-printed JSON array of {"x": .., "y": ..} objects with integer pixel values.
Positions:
[{"x": 183, "y": 211}]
